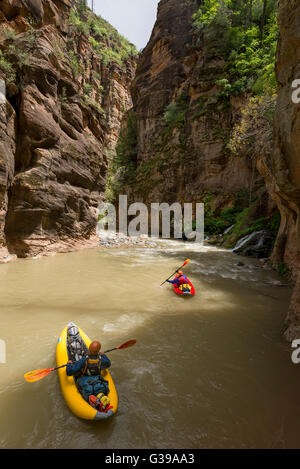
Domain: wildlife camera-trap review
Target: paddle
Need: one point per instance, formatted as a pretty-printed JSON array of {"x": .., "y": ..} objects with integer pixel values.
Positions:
[
  {"x": 183, "y": 265},
  {"x": 37, "y": 375},
  {"x": 130, "y": 343}
]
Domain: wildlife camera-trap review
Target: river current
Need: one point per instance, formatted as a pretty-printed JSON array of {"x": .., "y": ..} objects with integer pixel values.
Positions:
[{"x": 210, "y": 371}]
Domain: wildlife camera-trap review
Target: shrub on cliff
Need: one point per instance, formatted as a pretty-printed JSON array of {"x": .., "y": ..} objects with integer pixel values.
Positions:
[
  {"x": 244, "y": 32},
  {"x": 6, "y": 68},
  {"x": 16, "y": 52},
  {"x": 176, "y": 111},
  {"x": 255, "y": 131},
  {"x": 106, "y": 41}
]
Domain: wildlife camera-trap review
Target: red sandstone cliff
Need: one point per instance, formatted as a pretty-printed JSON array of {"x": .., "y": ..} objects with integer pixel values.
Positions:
[{"x": 67, "y": 92}]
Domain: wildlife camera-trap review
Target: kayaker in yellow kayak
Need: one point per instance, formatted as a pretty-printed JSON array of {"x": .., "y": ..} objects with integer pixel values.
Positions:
[{"x": 93, "y": 387}]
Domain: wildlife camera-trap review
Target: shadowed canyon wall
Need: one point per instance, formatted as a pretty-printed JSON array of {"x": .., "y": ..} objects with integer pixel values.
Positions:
[
  {"x": 184, "y": 159},
  {"x": 68, "y": 77}
]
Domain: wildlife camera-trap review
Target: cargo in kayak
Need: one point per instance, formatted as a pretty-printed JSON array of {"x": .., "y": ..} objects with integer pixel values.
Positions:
[{"x": 185, "y": 292}]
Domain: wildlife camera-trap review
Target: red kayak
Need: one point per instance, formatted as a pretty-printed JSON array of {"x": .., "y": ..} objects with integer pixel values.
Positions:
[{"x": 180, "y": 292}]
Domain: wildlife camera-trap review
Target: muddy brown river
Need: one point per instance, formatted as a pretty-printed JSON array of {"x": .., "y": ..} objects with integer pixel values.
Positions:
[{"x": 207, "y": 372}]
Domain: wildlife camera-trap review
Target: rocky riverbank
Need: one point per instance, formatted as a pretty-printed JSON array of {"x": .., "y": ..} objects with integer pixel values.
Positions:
[{"x": 109, "y": 239}]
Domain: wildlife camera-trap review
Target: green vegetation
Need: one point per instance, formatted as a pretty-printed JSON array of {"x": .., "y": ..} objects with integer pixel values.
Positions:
[
  {"x": 58, "y": 50},
  {"x": 201, "y": 107},
  {"x": 255, "y": 129},
  {"x": 105, "y": 40},
  {"x": 126, "y": 154},
  {"x": 264, "y": 223},
  {"x": 122, "y": 165},
  {"x": 88, "y": 88},
  {"x": 75, "y": 64},
  {"x": 243, "y": 217},
  {"x": 15, "y": 54},
  {"x": 175, "y": 112},
  {"x": 218, "y": 224},
  {"x": 244, "y": 32},
  {"x": 11, "y": 34},
  {"x": 94, "y": 105},
  {"x": 32, "y": 20},
  {"x": 20, "y": 55},
  {"x": 7, "y": 68}
]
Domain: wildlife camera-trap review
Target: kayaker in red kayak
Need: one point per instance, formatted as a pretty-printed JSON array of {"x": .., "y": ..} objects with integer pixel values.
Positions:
[
  {"x": 180, "y": 279},
  {"x": 182, "y": 285}
]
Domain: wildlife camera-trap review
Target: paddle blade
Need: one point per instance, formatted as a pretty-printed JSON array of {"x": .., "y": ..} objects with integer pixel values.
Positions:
[
  {"x": 186, "y": 262},
  {"x": 130, "y": 343},
  {"x": 36, "y": 375}
]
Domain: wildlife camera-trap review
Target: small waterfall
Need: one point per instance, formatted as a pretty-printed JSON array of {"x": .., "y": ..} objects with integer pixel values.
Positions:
[{"x": 256, "y": 244}]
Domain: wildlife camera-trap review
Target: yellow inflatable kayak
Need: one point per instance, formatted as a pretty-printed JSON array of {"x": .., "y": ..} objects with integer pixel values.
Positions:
[{"x": 73, "y": 398}]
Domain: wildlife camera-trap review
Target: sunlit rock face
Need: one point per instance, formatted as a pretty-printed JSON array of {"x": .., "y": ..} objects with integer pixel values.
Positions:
[{"x": 62, "y": 117}]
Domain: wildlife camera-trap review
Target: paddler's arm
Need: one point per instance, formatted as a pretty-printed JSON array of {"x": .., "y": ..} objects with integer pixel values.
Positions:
[
  {"x": 174, "y": 282},
  {"x": 105, "y": 362},
  {"x": 75, "y": 368}
]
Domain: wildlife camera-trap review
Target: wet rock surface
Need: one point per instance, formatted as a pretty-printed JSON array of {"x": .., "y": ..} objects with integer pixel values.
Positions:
[{"x": 258, "y": 244}]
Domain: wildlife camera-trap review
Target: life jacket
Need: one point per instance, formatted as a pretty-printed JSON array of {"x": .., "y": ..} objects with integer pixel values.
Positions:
[
  {"x": 182, "y": 280},
  {"x": 92, "y": 367}
]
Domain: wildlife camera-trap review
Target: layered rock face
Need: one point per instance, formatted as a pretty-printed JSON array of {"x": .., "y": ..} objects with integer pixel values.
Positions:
[
  {"x": 62, "y": 116},
  {"x": 187, "y": 158},
  {"x": 284, "y": 173},
  {"x": 7, "y": 165}
]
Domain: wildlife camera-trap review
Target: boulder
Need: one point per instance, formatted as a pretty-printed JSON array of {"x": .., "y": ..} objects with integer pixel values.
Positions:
[{"x": 257, "y": 244}]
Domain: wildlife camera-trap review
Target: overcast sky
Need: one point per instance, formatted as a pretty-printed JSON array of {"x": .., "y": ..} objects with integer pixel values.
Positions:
[{"x": 134, "y": 19}]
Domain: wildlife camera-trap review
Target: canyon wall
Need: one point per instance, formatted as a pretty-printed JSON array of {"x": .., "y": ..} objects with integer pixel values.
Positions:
[
  {"x": 283, "y": 173},
  {"x": 189, "y": 158},
  {"x": 68, "y": 77}
]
